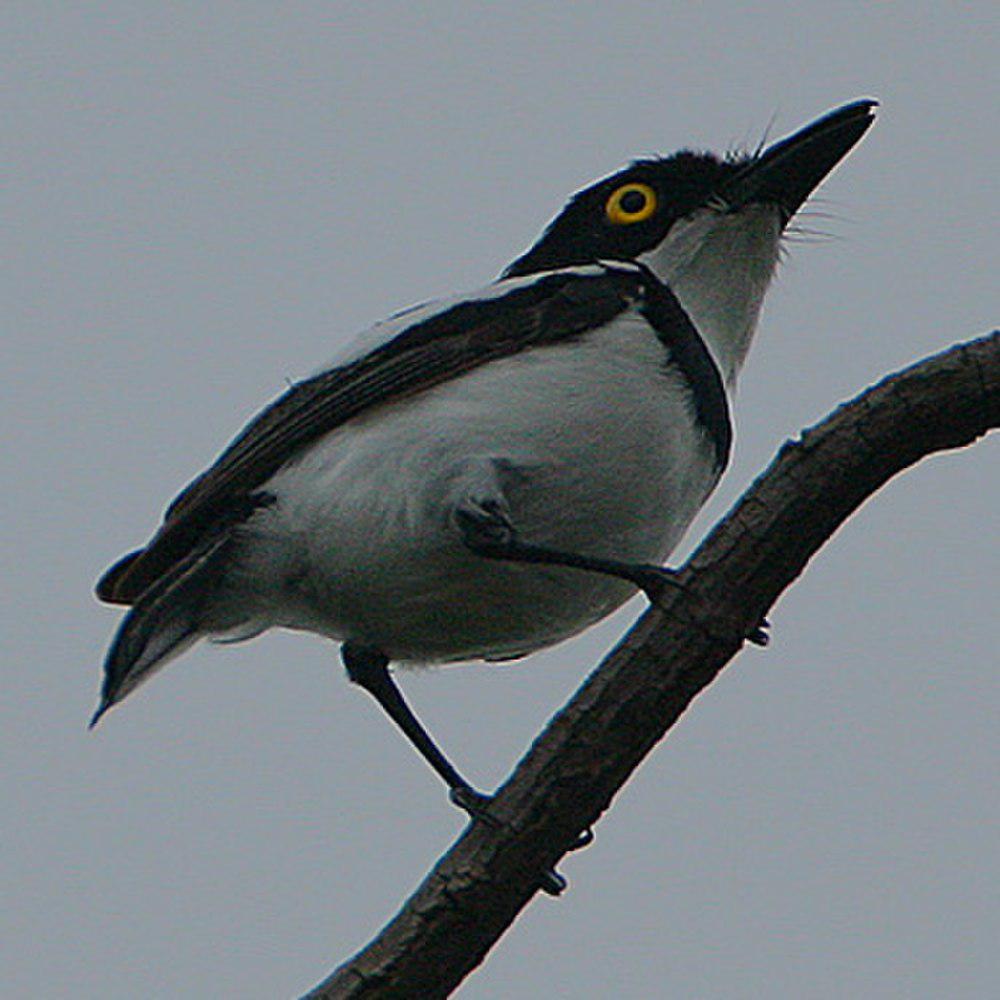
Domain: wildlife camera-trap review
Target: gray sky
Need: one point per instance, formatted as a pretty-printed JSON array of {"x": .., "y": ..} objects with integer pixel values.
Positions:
[{"x": 202, "y": 200}]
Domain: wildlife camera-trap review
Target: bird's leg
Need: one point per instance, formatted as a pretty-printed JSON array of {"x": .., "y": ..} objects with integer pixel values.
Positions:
[
  {"x": 369, "y": 669},
  {"x": 488, "y": 532}
]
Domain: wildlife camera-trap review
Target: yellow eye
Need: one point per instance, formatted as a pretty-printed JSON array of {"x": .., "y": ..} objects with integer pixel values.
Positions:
[{"x": 631, "y": 203}]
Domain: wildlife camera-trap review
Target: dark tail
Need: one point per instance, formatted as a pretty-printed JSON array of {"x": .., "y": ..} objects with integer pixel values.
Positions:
[
  {"x": 107, "y": 586},
  {"x": 164, "y": 621}
]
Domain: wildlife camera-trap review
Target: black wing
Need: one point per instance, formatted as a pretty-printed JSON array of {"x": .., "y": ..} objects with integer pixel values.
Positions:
[{"x": 558, "y": 306}]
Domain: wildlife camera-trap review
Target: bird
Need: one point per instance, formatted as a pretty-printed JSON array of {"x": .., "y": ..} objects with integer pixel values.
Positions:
[{"x": 486, "y": 475}]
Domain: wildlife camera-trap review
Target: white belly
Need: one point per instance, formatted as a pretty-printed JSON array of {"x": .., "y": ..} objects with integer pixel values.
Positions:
[{"x": 604, "y": 458}]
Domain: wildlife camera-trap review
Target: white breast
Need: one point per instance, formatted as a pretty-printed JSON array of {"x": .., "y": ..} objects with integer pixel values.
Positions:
[{"x": 605, "y": 459}]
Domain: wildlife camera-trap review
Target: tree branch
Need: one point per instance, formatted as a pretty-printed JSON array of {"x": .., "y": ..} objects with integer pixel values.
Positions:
[{"x": 625, "y": 707}]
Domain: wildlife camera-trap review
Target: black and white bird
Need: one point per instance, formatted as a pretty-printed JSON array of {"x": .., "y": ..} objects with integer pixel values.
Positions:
[{"x": 490, "y": 474}]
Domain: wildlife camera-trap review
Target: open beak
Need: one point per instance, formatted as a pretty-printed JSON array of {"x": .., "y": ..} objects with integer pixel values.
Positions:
[{"x": 786, "y": 173}]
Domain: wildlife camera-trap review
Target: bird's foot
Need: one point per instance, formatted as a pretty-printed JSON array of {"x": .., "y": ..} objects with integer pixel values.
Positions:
[
  {"x": 477, "y": 805},
  {"x": 653, "y": 581}
]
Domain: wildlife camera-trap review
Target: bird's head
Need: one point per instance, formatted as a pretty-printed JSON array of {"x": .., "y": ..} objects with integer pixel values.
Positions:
[{"x": 708, "y": 226}]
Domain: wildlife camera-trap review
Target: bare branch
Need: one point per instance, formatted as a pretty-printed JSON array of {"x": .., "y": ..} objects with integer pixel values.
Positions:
[{"x": 590, "y": 748}]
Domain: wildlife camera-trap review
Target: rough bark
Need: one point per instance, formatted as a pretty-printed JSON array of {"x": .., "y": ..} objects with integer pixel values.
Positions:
[{"x": 587, "y": 752}]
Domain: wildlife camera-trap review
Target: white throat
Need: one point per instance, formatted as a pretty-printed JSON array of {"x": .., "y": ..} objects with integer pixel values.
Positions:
[{"x": 719, "y": 266}]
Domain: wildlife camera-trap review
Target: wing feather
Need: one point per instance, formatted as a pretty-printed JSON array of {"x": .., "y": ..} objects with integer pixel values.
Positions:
[{"x": 553, "y": 308}]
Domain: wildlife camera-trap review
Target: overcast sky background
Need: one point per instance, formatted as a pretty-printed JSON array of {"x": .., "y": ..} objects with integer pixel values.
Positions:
[{"x": 201, "y": 201}]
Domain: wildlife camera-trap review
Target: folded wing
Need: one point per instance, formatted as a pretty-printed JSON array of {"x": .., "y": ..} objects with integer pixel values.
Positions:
[{"x": 547, "y": 309}]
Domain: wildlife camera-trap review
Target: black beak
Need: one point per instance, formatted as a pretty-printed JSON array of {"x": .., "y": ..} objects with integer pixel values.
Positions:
[{"x": 786, "y": 173}]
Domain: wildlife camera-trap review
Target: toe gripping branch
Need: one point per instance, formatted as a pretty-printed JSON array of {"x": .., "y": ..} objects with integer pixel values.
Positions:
[{"x": 476, "y": 804}]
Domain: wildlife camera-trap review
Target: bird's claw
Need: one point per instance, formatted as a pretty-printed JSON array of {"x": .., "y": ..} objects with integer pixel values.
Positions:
[
  {"x": 757, "y": 635},
  {"x": 654, "y": 580},
  {"x": 552, "y": 883},
  {"x": 476, "y": 804}
]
